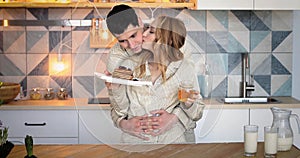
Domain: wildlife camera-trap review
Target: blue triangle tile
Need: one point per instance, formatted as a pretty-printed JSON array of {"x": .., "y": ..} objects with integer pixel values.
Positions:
[
  {"x": 64, "y": 82},
  {"x": 264, "y": 81},
  {"x": 87, "y": 82},
  {"x": 213, "y": 46},
  {"x": 147, "y": 12},
  {"x": 8, "y": 68},
  {"x": 277, "y": 67},
  {"x": 278, "y": 37},
  {"x": 167, "y": 12},
  {"x": 54, "y": 38},
  {"x": 244, "y": 17},
  {"x": 233, "y": 61},
  {"x": 199, "y": 37},
  {"x": 221, "y": 16},
  {"x": 220, "y": 90},
  {"x": 285, "y": 89},
  {"x": 234, "y": 46},
  {"x": 39, "y": 13},
  {"x": 33, "y": 37},
  {"x": 11, "y": 37},
  {"x": 257, "y": 37},
  {"x": 264, "y": 68},
  {"x": 257, "y": 24},
  {"x": 42, "y": 68},
  {"x": 199, "y": 16}
]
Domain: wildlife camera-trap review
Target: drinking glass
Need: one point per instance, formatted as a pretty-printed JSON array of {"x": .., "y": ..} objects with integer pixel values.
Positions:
[
  {"x": 270, "y": 136},
  {"x": 250, "y": 140},
  {"x": 185, "y": 90}
]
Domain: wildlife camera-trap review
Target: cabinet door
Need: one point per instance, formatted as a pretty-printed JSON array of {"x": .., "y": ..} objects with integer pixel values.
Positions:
[
  {"x": 276, "y": 5},
  {"x": 45, "y": 126},
  {"x": 96, "y": 127},
  {"x": 222, "y": 125},
  {"x": 262, "y": 118},
  {"x": 225, "y": 5}
]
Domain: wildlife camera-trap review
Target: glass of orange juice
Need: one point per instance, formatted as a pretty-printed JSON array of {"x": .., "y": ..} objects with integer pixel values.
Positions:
[{"x": 185, "y": 89}]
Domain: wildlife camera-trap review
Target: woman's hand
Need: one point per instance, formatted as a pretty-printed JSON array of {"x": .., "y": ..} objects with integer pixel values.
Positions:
[
  {"x": 191, "y": 99},
  {"x": 161, "y": 121},
  {"x": 135, "y": 126}
]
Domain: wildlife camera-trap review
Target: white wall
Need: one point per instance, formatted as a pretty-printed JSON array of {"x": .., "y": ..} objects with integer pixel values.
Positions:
[{"x": 296, "y": 55}]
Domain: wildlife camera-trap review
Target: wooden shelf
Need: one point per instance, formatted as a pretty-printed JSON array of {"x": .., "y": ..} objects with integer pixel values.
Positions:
[{"x": 91, "y": 5}]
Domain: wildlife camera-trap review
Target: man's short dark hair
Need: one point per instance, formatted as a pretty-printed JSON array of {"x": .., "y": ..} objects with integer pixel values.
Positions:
[{"x": 120, "y": 17}]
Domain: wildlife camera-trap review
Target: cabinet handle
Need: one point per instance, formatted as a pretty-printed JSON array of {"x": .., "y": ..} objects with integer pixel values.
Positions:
[{"x": 35, "y": 124}]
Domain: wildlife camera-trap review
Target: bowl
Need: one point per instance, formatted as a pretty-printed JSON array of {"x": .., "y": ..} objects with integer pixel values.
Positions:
[{"x": 9, "y": 91}]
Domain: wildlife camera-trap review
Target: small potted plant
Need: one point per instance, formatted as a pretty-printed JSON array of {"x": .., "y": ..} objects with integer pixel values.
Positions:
[
  {"x": 29, "y": 147},
  {"x": 5, "y": 145}
]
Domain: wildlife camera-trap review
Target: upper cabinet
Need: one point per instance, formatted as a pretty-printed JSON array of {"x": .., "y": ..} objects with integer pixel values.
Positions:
[
  {"x": 277, "y": 4},
  {"x": 225, "y": 4},
  {"x": 248, "y": 4},
  {"x": 58, "y": 4},
  {"x": 190, "y": 4}
]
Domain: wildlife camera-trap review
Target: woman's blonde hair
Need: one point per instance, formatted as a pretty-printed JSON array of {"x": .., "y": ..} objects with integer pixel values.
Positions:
[{"x": 170, "y": 36}]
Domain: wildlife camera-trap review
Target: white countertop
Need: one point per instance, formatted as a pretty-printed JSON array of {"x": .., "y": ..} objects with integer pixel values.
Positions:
[{"x": 82, "y": 104}]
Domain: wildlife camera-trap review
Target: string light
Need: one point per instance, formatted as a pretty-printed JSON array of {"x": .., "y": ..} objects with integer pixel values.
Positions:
[{"x": 5, "y": 23}]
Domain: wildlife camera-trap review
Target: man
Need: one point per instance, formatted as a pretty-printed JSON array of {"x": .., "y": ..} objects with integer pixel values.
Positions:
[
  {"x": 123, "y": 22},
  {"x": 127, "y": 28}
]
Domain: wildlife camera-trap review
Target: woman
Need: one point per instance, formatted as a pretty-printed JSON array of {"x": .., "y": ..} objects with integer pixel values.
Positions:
[{"x": 154, "y": 114}]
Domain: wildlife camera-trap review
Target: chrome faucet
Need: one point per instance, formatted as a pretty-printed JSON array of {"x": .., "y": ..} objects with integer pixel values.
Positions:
[{"x": 244, "y": 86}]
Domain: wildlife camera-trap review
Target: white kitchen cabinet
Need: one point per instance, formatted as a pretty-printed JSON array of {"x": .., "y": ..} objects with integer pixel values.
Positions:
[
  {"x": 96, "y": 127},
  {"x": 276, "y": 4},
  {"x": 222, "y": 125},
  {"x": 45, "y": 126},
  {"x": 264, "y": 117},
  {"x": 225, "y": 5}
]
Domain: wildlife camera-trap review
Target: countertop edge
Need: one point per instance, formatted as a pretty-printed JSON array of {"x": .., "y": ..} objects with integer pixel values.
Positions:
[{"x": 82, "y": 104}]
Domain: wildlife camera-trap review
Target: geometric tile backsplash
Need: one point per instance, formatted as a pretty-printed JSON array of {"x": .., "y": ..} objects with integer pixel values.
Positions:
[{"x": 215, "y": 41}]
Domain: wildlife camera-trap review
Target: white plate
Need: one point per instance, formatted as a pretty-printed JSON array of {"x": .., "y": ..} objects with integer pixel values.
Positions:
[{"x": 122, "y": 81}]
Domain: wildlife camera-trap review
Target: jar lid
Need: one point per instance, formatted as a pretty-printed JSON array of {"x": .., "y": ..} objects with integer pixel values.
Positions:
[
  {"x": 62, "y": 89},
  {"x": 35, "y": 89},
  {"x": 49, "y": 89}
]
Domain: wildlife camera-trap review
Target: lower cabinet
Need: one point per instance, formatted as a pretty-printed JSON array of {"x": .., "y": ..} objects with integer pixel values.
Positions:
[
  {"x": 45, "y": 126},
  {"x": 262, "y": 118},
  {"x": 222, "y": 125},
  {"x": 93, "y": 126},
  {"x": 96, "y": 127}
]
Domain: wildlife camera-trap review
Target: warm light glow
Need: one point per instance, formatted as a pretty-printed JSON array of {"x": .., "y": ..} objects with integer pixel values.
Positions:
[
  {"x": 59, "y": 66},
  {"x": 64, "y": 1},
  {"x": 5, "y": 23}
]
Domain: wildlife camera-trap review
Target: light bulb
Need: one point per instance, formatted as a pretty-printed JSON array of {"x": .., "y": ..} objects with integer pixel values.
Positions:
[
  {"x": 5, "y": 23},
  {"x": 59, "y": 66}
]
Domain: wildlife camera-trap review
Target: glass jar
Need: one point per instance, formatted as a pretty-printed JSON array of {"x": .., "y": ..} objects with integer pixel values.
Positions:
[
  {"x": 62, "y": 94},
  {"x": 35, "y": 94},
  {"x": 49, "y": 95}
]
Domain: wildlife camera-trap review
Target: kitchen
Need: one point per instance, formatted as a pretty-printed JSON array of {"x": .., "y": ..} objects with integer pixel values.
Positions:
[{"x": 216, "y": 35}]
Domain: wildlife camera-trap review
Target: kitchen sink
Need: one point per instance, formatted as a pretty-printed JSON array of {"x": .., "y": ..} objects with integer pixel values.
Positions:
[
  {"x": 104, "y": 100},
  {"x": 258, "y": 100}
]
